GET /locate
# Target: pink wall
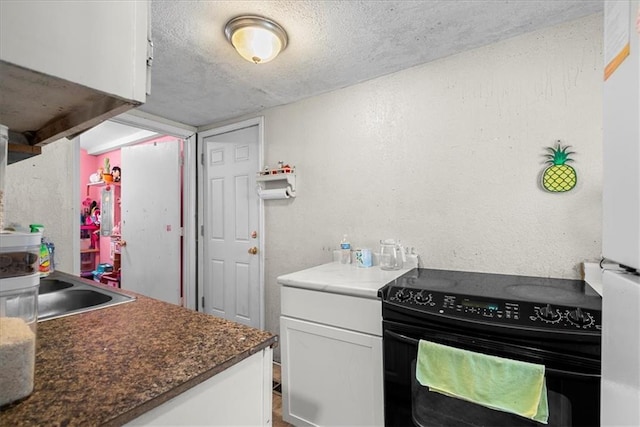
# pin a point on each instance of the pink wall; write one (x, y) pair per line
(89, 165)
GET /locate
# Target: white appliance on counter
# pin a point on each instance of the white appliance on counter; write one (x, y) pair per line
(331, 344)
(621, 216)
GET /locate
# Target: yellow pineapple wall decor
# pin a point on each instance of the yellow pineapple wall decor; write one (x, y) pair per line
(559, 177)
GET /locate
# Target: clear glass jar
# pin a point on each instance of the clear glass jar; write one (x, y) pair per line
(391, 255)
(18, 332)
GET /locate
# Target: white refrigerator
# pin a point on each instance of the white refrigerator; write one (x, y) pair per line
(621, 215)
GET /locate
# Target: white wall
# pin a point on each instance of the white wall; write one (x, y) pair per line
(41, 190)
(447, 157)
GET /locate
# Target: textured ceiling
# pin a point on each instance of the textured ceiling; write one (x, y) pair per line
(198, 79)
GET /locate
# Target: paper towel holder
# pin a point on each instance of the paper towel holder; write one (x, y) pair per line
(278, 181)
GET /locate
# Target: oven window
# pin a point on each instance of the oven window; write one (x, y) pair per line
(431, 409)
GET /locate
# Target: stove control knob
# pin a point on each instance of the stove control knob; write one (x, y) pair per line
(403, 295)
(548, 313)
(423, 298)
(579, 317)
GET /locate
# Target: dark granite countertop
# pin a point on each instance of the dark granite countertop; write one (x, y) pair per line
(108, 366)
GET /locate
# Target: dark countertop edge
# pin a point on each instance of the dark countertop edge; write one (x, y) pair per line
(181, 388)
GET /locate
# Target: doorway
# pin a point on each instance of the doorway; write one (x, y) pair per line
(144, 128)
(231, 223)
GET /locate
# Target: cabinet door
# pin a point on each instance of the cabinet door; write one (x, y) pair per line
(330, 376)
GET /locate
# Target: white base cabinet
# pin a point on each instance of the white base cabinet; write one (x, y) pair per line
(331, 345)
(237, 396)
(330, 376)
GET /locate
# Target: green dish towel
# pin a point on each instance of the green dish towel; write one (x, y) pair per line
(495, 382)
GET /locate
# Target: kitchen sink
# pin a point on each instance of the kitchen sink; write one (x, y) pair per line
(58, 297)
(52, 285)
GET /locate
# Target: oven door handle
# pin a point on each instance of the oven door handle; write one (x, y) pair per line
(402, 338)
(552, 371)
(563, 373)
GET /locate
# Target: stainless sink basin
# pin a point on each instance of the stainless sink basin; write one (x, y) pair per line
(52, 285)
(58, 297)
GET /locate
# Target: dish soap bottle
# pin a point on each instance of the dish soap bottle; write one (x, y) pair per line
(345, 250)
(44, 263)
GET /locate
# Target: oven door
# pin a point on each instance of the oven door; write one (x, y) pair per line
(574, 397)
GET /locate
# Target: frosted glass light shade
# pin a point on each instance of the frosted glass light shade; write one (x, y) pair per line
(256, 39)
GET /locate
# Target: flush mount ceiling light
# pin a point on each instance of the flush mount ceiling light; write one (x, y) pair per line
(256, 39)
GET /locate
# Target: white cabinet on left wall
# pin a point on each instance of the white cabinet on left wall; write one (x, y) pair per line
(67, 66)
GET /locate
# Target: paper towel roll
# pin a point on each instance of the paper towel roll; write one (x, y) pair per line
(276, 193)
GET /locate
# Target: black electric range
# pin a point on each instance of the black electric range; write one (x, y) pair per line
(553, 322)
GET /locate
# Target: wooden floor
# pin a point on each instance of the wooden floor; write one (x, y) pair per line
(277, 399)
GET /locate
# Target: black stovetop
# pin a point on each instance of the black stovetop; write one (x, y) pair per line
(511, 287)
(547, 305)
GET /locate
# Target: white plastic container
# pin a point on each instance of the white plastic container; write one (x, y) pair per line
(18, 332)
(19, 254)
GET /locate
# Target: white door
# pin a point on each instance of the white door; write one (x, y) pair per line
(231, 240)
(150, 215)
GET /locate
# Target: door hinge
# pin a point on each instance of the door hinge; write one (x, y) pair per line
(149, 53)
(202, 230)
(203, 302)
(202, 158)
(149, 64)
(181, 231)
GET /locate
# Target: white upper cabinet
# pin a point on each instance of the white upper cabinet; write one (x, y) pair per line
(67, 66)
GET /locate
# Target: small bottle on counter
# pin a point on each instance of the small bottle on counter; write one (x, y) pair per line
(45, 254)
(345, 250)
